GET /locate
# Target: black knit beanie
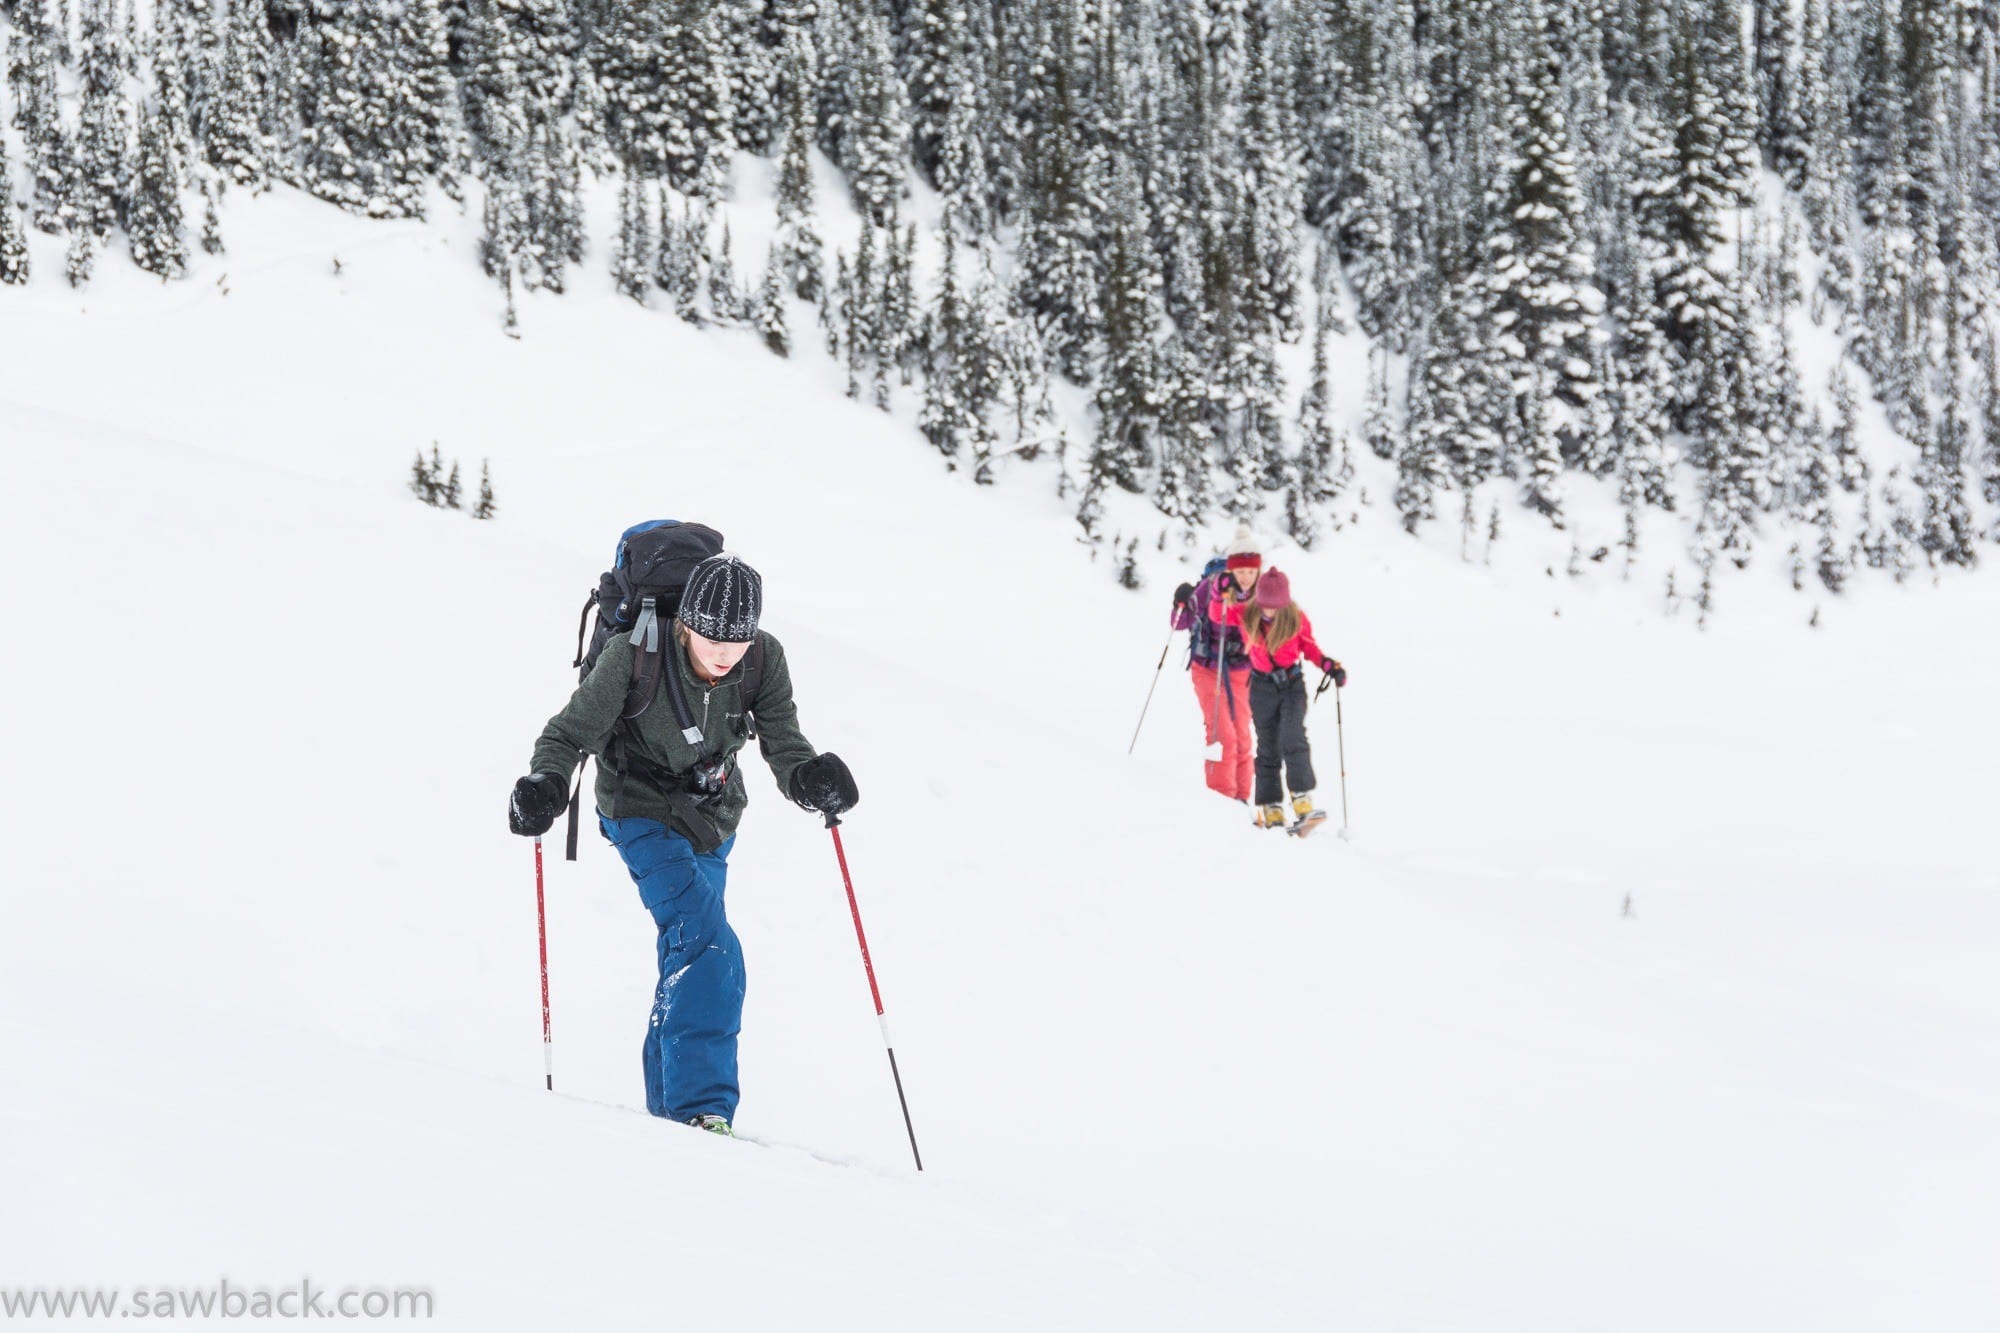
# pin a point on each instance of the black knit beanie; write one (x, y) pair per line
(724, 597)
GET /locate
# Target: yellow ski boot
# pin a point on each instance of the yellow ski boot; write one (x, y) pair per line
(1305, 818)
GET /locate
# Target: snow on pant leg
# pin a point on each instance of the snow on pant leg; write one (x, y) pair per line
(1264, 712)
(1292, 735)
(1218, 772)
(690, 1052)
(1239, 753)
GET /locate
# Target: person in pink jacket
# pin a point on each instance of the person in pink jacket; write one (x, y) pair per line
(1278, 638)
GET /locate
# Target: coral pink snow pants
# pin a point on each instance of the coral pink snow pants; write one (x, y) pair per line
(1226, 716)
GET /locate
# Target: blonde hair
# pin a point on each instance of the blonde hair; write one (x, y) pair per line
(1270, 633)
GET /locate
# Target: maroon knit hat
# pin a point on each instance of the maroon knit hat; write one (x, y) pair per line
(1274, 591)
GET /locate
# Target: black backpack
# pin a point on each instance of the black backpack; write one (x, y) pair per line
(640, 595)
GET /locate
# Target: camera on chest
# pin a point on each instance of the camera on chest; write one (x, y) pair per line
(709, 777)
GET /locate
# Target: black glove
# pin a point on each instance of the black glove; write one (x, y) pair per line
(1336, 670)
(537, 800)
(823, 783)
(1183, 595)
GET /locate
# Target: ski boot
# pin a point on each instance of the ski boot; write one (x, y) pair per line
(1305, 818)
(714, 1124)
(1270, 816)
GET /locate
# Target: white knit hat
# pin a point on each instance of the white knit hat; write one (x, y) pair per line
(1243, 543)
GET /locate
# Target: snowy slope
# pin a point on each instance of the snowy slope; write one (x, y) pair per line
(268, 955)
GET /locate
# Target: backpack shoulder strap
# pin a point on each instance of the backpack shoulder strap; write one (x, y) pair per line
(753, 674)
(575, 810)
(582, 622)
(647, 655)
(677, 698)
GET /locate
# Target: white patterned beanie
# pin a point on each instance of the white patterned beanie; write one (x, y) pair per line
(723, 600)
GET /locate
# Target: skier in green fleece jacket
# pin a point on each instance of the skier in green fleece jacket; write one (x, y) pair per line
(672, 810)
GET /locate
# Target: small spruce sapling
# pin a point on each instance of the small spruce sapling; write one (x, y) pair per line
(485, 509)
(422, 484)
(1128, 568)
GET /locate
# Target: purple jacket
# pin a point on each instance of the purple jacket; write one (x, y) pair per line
(1203, 632)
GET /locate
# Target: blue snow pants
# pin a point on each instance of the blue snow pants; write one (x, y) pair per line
(698, 1007)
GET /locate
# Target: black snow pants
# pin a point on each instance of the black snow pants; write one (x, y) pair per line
(1278, 707)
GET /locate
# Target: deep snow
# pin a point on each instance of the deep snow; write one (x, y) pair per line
(268, 955)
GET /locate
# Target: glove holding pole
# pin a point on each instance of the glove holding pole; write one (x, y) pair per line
(824, 785)
(535, 802)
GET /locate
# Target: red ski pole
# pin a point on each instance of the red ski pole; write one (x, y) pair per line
(542, 927)
(833, 827)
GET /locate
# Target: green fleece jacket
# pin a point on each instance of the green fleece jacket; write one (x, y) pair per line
(658, 753)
